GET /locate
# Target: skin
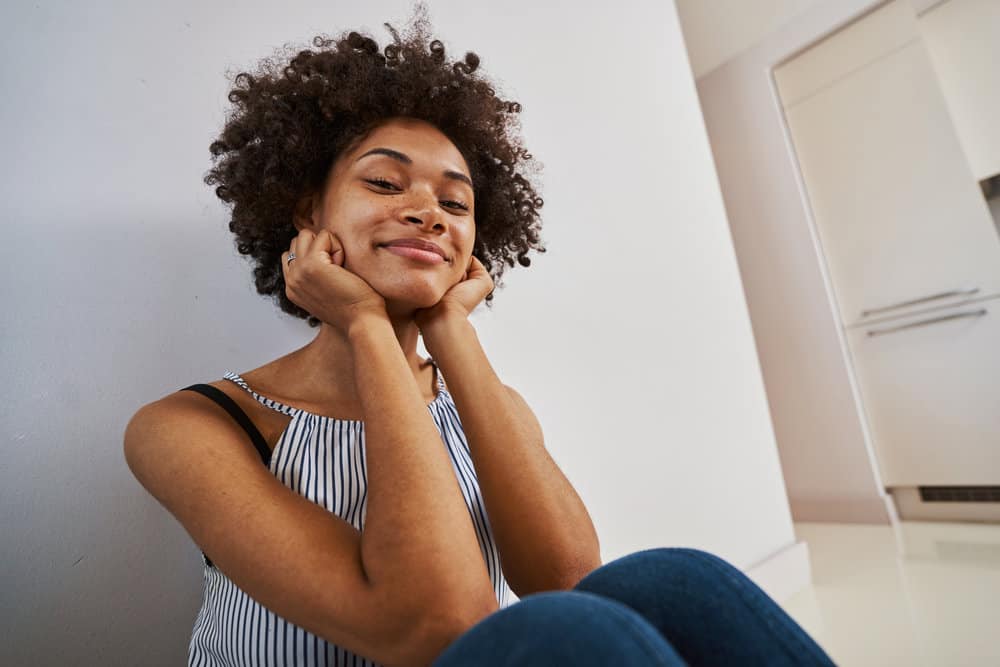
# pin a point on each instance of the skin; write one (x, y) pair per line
(342, 227)
(343, 277)
(368, 300)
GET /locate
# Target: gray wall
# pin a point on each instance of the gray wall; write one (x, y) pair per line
(630, 338)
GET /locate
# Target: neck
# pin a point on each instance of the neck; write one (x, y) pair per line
(325, 367)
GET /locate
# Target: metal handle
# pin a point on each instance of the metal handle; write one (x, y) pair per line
(971, 313)
(942, 295)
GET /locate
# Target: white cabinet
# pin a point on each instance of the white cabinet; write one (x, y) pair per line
(963, 40)
(898, 212)
(931, 389)
(900, 217)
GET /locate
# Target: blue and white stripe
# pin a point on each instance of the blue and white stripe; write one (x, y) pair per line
(322, 459)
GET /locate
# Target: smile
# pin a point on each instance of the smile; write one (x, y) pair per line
(416, 254)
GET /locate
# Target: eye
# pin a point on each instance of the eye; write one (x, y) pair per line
(456, 204)
(389, 185)
(382, 183)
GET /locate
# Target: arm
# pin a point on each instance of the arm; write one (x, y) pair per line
(418, 538)
(195, 460)
(544, 534)
(418, 544)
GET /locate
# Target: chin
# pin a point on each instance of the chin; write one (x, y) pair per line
(407, 288)
(412, 298)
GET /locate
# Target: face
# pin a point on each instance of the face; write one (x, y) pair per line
(404, 180)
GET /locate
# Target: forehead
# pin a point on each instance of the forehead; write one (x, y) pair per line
(420, 141)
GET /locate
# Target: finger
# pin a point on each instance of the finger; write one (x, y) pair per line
(334, 241)
(475, 266)
(333, 246)
(299, 244)
(479, 271)
(324, 242)
(303, 242)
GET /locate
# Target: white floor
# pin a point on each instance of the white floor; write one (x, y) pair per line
(920, 593)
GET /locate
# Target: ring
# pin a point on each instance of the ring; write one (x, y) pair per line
(291, 256)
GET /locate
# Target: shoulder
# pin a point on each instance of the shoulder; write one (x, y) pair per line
(513, 393)
(154, 420)
(526, 418)
(167, 408)
(181, 415)
(181, 403)
(522, 406)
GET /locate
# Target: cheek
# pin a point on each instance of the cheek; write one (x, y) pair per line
(355, 226)
(466, 238)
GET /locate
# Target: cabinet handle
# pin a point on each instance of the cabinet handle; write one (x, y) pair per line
(971, 313)
(942, 295)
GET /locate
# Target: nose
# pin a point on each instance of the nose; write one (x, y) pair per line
(424, 210)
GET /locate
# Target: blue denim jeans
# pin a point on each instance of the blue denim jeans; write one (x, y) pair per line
(667, 606)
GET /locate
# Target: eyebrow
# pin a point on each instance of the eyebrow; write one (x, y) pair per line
(405, 159)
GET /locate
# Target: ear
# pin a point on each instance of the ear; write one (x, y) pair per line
(303, 216)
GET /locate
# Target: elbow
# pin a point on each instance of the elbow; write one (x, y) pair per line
(586, 561)
(436, 629)
(588, 564)
(563, 578)
(574, 576)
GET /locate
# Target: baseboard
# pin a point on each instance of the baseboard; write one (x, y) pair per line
(838, 510)
(784, 573)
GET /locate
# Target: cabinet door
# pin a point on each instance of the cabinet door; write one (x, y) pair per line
(898, 212)
(931, 391)
(963, 40)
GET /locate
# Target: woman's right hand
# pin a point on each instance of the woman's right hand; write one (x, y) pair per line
(317, 282)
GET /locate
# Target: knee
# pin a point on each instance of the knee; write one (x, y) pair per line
(682, 556)
(562, 627)
(662, 564)
(675, 557)
(557, 610)
(580, 614)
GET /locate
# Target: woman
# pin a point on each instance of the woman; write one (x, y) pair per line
(380, 195)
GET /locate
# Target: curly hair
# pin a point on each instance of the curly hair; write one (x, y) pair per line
(290, 122)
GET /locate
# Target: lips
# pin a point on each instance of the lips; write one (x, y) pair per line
(419, 244)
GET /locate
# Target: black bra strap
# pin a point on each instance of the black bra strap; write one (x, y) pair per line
(241, 418)
(237, 413)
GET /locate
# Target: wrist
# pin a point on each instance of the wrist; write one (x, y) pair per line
(442, 328)
(440, 315)
(365, 325)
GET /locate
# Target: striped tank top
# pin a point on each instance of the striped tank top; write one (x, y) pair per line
(322, 459)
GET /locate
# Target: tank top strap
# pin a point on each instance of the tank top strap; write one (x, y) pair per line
(274, 405)
(437, 373)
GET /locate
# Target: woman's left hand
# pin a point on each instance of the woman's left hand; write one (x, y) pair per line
(461, 299)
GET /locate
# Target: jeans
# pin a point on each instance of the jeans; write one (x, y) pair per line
(667, 606)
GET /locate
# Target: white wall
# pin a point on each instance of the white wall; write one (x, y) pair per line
(826, 455)
(630, 338)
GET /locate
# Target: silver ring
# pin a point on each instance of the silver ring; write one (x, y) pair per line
(291, 256)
